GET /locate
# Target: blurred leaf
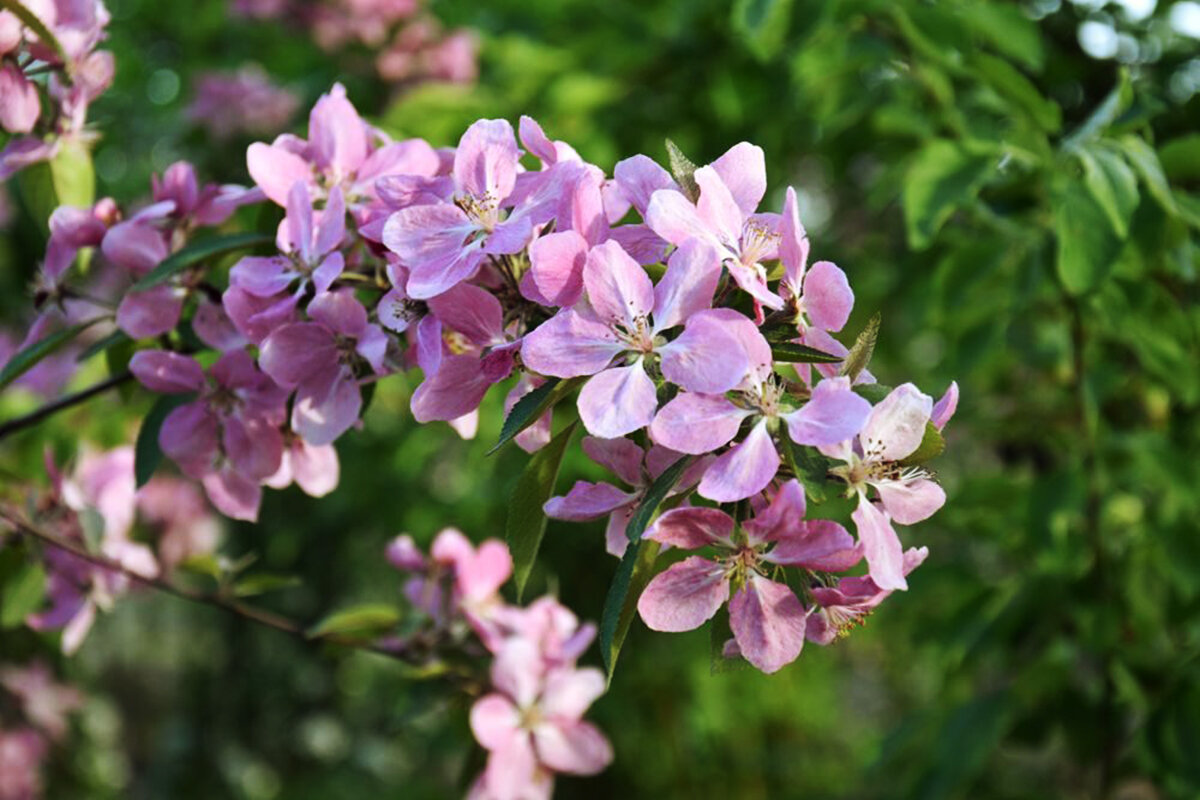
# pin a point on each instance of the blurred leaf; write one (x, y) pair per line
(526, 522)
(683, 170)
(1181, 157)
(101, 345)
(30, 20)
(1007, 29)
(1010, 84)
(147, 455)
(532, 405)
(1087, 246)
(1146, 162)
(801, 354)
(932, 445)
(205, 565)
(964, 743)
(28, 358)
(196, 252)
(1116, 103)
(92, 524)
(864, 347)
(620, 604)
(253, 585)
(763, 25)
(21, 591)
(357, 623)
(943, 177)
(72, 174)
(1112, 184)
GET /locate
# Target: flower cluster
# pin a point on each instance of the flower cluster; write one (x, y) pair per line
(42, 706)
(47, 115)
(531, 722)
(246, 101)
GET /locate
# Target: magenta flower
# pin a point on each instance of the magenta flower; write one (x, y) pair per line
(314, 468)
(623, 316)
(310, 247)
(20, 106)
(891, 432)
(636, 467)
(444, 244)
(698, 423)
(840, 608)
(767, 619)
(532, 725)
(724, 216)
(319, 360)
(228, 437)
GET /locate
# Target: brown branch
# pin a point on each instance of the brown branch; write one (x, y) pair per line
(34, 417)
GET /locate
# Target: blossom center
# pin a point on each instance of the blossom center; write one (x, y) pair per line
(482, 209)
(757, 241)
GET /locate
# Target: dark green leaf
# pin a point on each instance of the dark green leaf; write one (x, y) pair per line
(1087, 246)
(35, 24)
(931, 446)
(801, 354)
(1009, 83)
(28, 358)
(21, 593)
(812, 470)
(1113, 106)
(147, 453)
(526, 521)
(652, 499)
(1112, 185)
(199, 251)
(101, 345)
(874, 392)
(531, 407)
(1146, 162)
(864, 347)
(357, 623)
(620, 604)
(1181, 157)
(942, 178)
(683, 170)
(763, 25)
(72, 174)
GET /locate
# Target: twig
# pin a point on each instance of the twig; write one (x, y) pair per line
(34, 417)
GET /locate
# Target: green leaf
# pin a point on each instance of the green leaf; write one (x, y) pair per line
(931, 446)
(1008, 82)
(262, 583)
(719, 633)
(801, 354)
(864, 347)
(99, 346)
(526, 521)
(763, 25)
(1181, 157)
(943, 177)
(1087, 246)
(1148, 167)
(35, 24)
(620, 604)
(1113, 106)
(199, 251)
(683, 170)
(357, 623)
(21, 593)
(653, 498)
(28, 358)
(811, 469)
(1112, 184)
(92, 524)
(874, 392)
(72, 174)
(147, 455)
(531, 407)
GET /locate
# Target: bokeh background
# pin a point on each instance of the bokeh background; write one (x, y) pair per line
(1049, 646)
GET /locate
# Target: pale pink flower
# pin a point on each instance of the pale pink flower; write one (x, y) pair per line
(840, 608)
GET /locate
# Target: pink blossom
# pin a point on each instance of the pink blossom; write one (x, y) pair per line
(891, 432)
(314, 468)
(840, 608)
(245, 101)
(20, 106)
(767, 619)
(319, 359)
(21, 753)
(623, 317)
(44, 702)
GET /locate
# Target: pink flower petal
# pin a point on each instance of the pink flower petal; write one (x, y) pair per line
(828, 298)
(684, 596)
(622, 456)
(743, 169)
(569, 345)
(881, 545)
(909, 502)
(618, 401)
(692, 528)
(586, 501)
(819, 544)
(569, 692)
(944, 409)
(688, 284)
(618, 289)
(576, 748)
(834, 414)
(169, 373)
(768, 622)
(556, 267)
(743, 471)
(486, 159)
(495, 721)
(696, 423)
(705, 358)
(896, 425)
(275, 170)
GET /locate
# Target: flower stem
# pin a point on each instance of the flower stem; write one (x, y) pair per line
(34, 417)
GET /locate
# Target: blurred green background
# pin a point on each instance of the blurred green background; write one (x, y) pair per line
(1015, 186)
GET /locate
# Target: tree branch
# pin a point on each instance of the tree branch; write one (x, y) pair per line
(34, 417)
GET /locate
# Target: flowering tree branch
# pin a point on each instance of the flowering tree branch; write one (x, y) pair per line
(11, 426)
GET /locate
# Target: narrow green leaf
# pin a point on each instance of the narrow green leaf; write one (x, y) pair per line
(35, 24)
(811, 469)
(99, 346)
(28, 358)
(942, 178)
(652, 499)
(931, 446)
(620, 604)
(72, 174)
(357, 623)
(197, 252)
(1146, 162)
(147, 455)
(683, 170)
(262, 583)
(526, 523)
(1087, 246)
(1113, 106)
(864, 347)
(531, 407)
(874, 392)
(21, 593)
(1112, 185)
(779, 332)
(763, 25)
(719, 633)
(801, 354)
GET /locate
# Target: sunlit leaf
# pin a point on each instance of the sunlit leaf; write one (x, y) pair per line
(941, 179)
(864, 347)
(526, 522)
(357, 623)
(683, 170)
